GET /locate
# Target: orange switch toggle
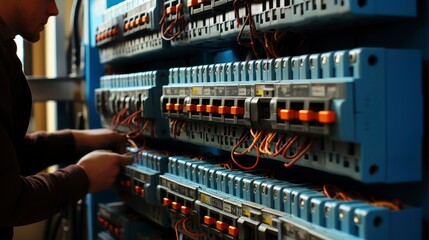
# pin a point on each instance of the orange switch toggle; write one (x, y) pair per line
(176, 205)
(167, 201)
(237, 110)
(233, 231)
(137, 189)
(327, 116)
(169, 106)
(137, 21)
(201, 108)
(211, 109)
(307, 115)
(178, 106)
(171, 9)
(209, 220)
(190, 107)
(288, 114)
(115, 31)
(116, 231)
(142, 192)
(221, 225)
(185, 210)
(192, 3)
(128, 183)
(224, 110)
(145, 19)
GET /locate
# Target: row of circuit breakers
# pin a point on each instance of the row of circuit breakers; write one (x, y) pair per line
(339, 112)
(143, 27)
(202, 200)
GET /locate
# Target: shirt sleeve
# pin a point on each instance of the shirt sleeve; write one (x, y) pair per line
(28, 199)
(42, 149)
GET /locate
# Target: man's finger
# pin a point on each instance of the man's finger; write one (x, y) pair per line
(125, 160)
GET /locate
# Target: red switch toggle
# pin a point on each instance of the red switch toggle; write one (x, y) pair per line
(185, 210)
(190, 107)
(176, 205)
(167, 201)
(201, 108)
(169, 106)
(233, 231)
(224, 110)
(237, 110)
(211, 109)
(221, 225)
(209, 220)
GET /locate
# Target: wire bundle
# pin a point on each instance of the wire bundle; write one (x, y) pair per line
(175, 27)
(265, 140)
(253, 32)
(136, 124)
(177, 131)
(332, 191)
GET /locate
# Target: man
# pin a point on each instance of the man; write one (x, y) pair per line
(27, 199)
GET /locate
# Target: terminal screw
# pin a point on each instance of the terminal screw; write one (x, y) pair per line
(337, 59)
(327, 210)
(341, 214)
(356, 219)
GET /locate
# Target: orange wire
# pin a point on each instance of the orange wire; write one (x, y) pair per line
(303, 149)
(117, 118)
(256, 136)
(174, 127)
(264, 147)
(138, 132)
(233, 153)
(332, 191)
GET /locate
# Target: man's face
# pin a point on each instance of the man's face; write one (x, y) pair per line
(30, 16)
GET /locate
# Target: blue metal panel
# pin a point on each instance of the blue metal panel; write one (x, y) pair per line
(400, 34)
(93, 68)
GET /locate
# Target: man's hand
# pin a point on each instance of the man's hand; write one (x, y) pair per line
(102, 167)
(95, 139)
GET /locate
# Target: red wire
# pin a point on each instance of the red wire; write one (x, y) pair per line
(189, 232)
(176, 228)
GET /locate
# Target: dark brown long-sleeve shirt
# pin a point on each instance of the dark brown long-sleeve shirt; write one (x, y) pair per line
(26, 199)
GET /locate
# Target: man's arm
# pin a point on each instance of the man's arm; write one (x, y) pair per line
(29, 199)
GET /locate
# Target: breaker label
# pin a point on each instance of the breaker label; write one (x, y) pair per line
(231, 91)
(318, 91)
(245, 91)
(205, 198)
(207, 91)
(197, 91)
